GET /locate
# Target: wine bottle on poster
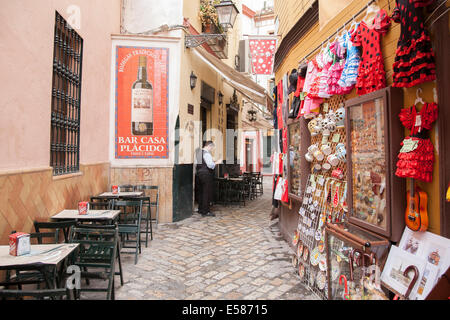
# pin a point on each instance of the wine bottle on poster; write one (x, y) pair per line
(142, 102)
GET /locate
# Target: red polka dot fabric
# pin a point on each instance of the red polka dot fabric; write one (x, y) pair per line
(262, 53)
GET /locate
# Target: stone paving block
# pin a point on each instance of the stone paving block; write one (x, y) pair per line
(253, 296)
(259, 281)
(227, 288)
(266, 288)
(221, 275)
(233, 296)
(246, 288)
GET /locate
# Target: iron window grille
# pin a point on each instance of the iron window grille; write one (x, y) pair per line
(66, 94)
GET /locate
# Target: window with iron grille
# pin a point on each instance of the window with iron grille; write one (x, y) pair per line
(66, 93)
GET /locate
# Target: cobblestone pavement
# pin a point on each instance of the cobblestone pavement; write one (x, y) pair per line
(239, 254)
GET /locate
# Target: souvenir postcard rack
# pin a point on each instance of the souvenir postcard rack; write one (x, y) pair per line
(322, 202)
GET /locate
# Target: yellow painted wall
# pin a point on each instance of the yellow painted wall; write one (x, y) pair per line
(289, 11)
(389, 44)
(217, 116)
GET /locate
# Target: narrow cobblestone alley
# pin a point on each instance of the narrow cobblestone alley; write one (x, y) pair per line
(236, 255)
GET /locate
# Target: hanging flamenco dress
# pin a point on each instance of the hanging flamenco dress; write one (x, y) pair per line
(336, 70)
(416, 157)
(414, 61)
(311, 104)
(371, 74)
(349, 75)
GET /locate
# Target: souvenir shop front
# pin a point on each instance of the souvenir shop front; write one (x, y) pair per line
(361, 181)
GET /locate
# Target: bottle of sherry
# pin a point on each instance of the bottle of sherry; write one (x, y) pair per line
(142, 102)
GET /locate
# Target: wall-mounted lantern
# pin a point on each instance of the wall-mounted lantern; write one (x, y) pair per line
(193, 80)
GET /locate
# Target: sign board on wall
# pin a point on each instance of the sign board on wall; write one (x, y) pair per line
(141, 103)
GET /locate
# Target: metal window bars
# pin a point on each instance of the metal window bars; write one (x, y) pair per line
(66, 94)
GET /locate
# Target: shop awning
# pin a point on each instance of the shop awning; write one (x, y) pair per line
(243, 84)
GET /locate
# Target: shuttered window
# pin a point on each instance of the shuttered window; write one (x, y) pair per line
(66, 93)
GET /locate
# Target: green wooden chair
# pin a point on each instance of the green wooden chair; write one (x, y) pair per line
(126, 188)
(56, 226)
(258, 183)
(152, 193)
(48, 294)
(130, 224)
(96, 255)
(100, 205)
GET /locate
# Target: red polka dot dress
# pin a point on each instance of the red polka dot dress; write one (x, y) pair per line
(371, 73)
(416, 157)
(414, 61)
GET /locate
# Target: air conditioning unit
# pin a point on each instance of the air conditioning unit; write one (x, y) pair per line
(244, 57)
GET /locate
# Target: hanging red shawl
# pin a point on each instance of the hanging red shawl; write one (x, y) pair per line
(285, 195)
(285, 142)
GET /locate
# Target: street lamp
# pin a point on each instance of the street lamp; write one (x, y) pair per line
(193, 80)
(226, 13)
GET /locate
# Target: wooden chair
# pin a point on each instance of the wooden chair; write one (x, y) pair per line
(47, 294)
(100, 205)
(28, 274)
(127, 188)
(130, 224)
(258, 183)
(153, 192)
(96, 255)
(65, 226)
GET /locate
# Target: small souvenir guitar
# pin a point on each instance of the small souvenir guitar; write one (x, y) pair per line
(416, 215)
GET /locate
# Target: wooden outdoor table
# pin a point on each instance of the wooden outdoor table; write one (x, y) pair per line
(45, 258)
(92, 215)
(121, 194)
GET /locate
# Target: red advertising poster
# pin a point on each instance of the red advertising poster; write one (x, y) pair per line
(262, 53)
(142, 117)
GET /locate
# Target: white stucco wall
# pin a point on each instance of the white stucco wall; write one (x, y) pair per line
(143, 15)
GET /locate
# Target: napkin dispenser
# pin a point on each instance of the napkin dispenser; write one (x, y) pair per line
(19, 244)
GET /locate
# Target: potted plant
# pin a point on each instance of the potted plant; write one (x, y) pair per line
(208, 14)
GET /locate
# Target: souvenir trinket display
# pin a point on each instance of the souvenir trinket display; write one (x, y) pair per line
(350, 211)
(294, 261)
(296, 160)
(327, 131)
(346, 260)
(370, 139)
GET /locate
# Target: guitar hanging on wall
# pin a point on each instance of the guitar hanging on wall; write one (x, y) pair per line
(416, 215)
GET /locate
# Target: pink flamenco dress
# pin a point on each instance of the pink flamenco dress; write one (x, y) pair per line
(336, 69)
(311, 104)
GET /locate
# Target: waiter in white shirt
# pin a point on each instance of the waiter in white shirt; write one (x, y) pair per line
(205, 178)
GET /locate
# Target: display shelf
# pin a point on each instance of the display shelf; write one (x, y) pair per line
(298, 169)
(376, 195)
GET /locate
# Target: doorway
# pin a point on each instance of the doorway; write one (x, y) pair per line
(204, 107)
(249, 155)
